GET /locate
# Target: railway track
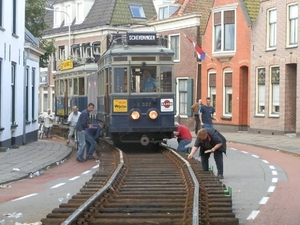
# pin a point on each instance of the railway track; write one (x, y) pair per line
(156, 186)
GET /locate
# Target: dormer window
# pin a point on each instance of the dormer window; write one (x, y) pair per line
(57, 17)
(79, 12)
(166, 11)
(137, 11)
(68, 15)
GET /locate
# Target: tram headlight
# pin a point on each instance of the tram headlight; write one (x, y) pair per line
(135, 115)
(153, 114)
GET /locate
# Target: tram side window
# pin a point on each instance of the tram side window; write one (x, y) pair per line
(144, 79)
(81, 86)
(120, 80)
(70, 87)
(166, 79)
(62, 87)
(75, 86)
(57, 88)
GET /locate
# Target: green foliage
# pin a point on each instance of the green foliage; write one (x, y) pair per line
(35, 22)
(48, 46)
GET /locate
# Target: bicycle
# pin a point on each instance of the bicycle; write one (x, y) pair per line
(41, 132)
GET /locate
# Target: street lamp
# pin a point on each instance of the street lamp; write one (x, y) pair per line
(69, 26)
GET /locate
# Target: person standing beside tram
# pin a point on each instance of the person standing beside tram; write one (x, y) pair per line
(196, 111)
(72, 120)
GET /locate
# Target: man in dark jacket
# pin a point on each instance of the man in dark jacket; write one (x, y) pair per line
(81, 126)
(210, 140)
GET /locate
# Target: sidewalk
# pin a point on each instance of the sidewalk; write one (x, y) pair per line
(19, 163)
(34, 157)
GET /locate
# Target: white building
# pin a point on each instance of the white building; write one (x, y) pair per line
(19, 73)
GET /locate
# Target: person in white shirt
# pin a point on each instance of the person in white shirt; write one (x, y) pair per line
(48, 123)
(72, 120)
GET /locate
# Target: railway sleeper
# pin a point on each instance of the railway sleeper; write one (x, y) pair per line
(220, 198)
(149, 191)
(166, 196)
(134, 210)
(219, 209)
(151, 200)
(146, 221)
(52, 221)
(216, 215)
(223, 221)
(64, 210)
(58, 215)
(142, 204)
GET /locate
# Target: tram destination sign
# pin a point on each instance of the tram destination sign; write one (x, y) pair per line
(142, 38)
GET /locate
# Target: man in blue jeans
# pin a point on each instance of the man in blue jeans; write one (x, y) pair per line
(92, 137)
(81, 125)
(207, 113)
(184, 137)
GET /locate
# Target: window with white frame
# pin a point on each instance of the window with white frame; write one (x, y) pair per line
(52, 99)
(224, 30)
(272, 28)
(212, 88)
(228, 93)
(33, 75)
(14, 17)
(96, 47)
(56, 17)
(45, 100)
(165, 12)
(261, 89)
(13, 94)
(274, 90)
(182, 96)
(27, 94)
(86, 50)
(79, 12)
(61, 52)
(44, 77)
(137, 11)
(292, 24)
(175, 46)
(68, 15)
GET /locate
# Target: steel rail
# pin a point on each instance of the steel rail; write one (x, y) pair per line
(88, 202)
(196, 189)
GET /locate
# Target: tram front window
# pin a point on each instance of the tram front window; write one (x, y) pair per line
(144, 80)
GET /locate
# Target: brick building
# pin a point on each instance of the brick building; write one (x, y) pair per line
(226, 70)
(274, 73)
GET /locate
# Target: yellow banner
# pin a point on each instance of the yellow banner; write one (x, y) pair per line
(66, 65)
(120, 105)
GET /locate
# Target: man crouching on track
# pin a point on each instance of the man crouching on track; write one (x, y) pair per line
(210, 140)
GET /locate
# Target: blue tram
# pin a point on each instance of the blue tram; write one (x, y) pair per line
(135, 88)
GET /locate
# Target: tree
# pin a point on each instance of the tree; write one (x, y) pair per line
(35, 22)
